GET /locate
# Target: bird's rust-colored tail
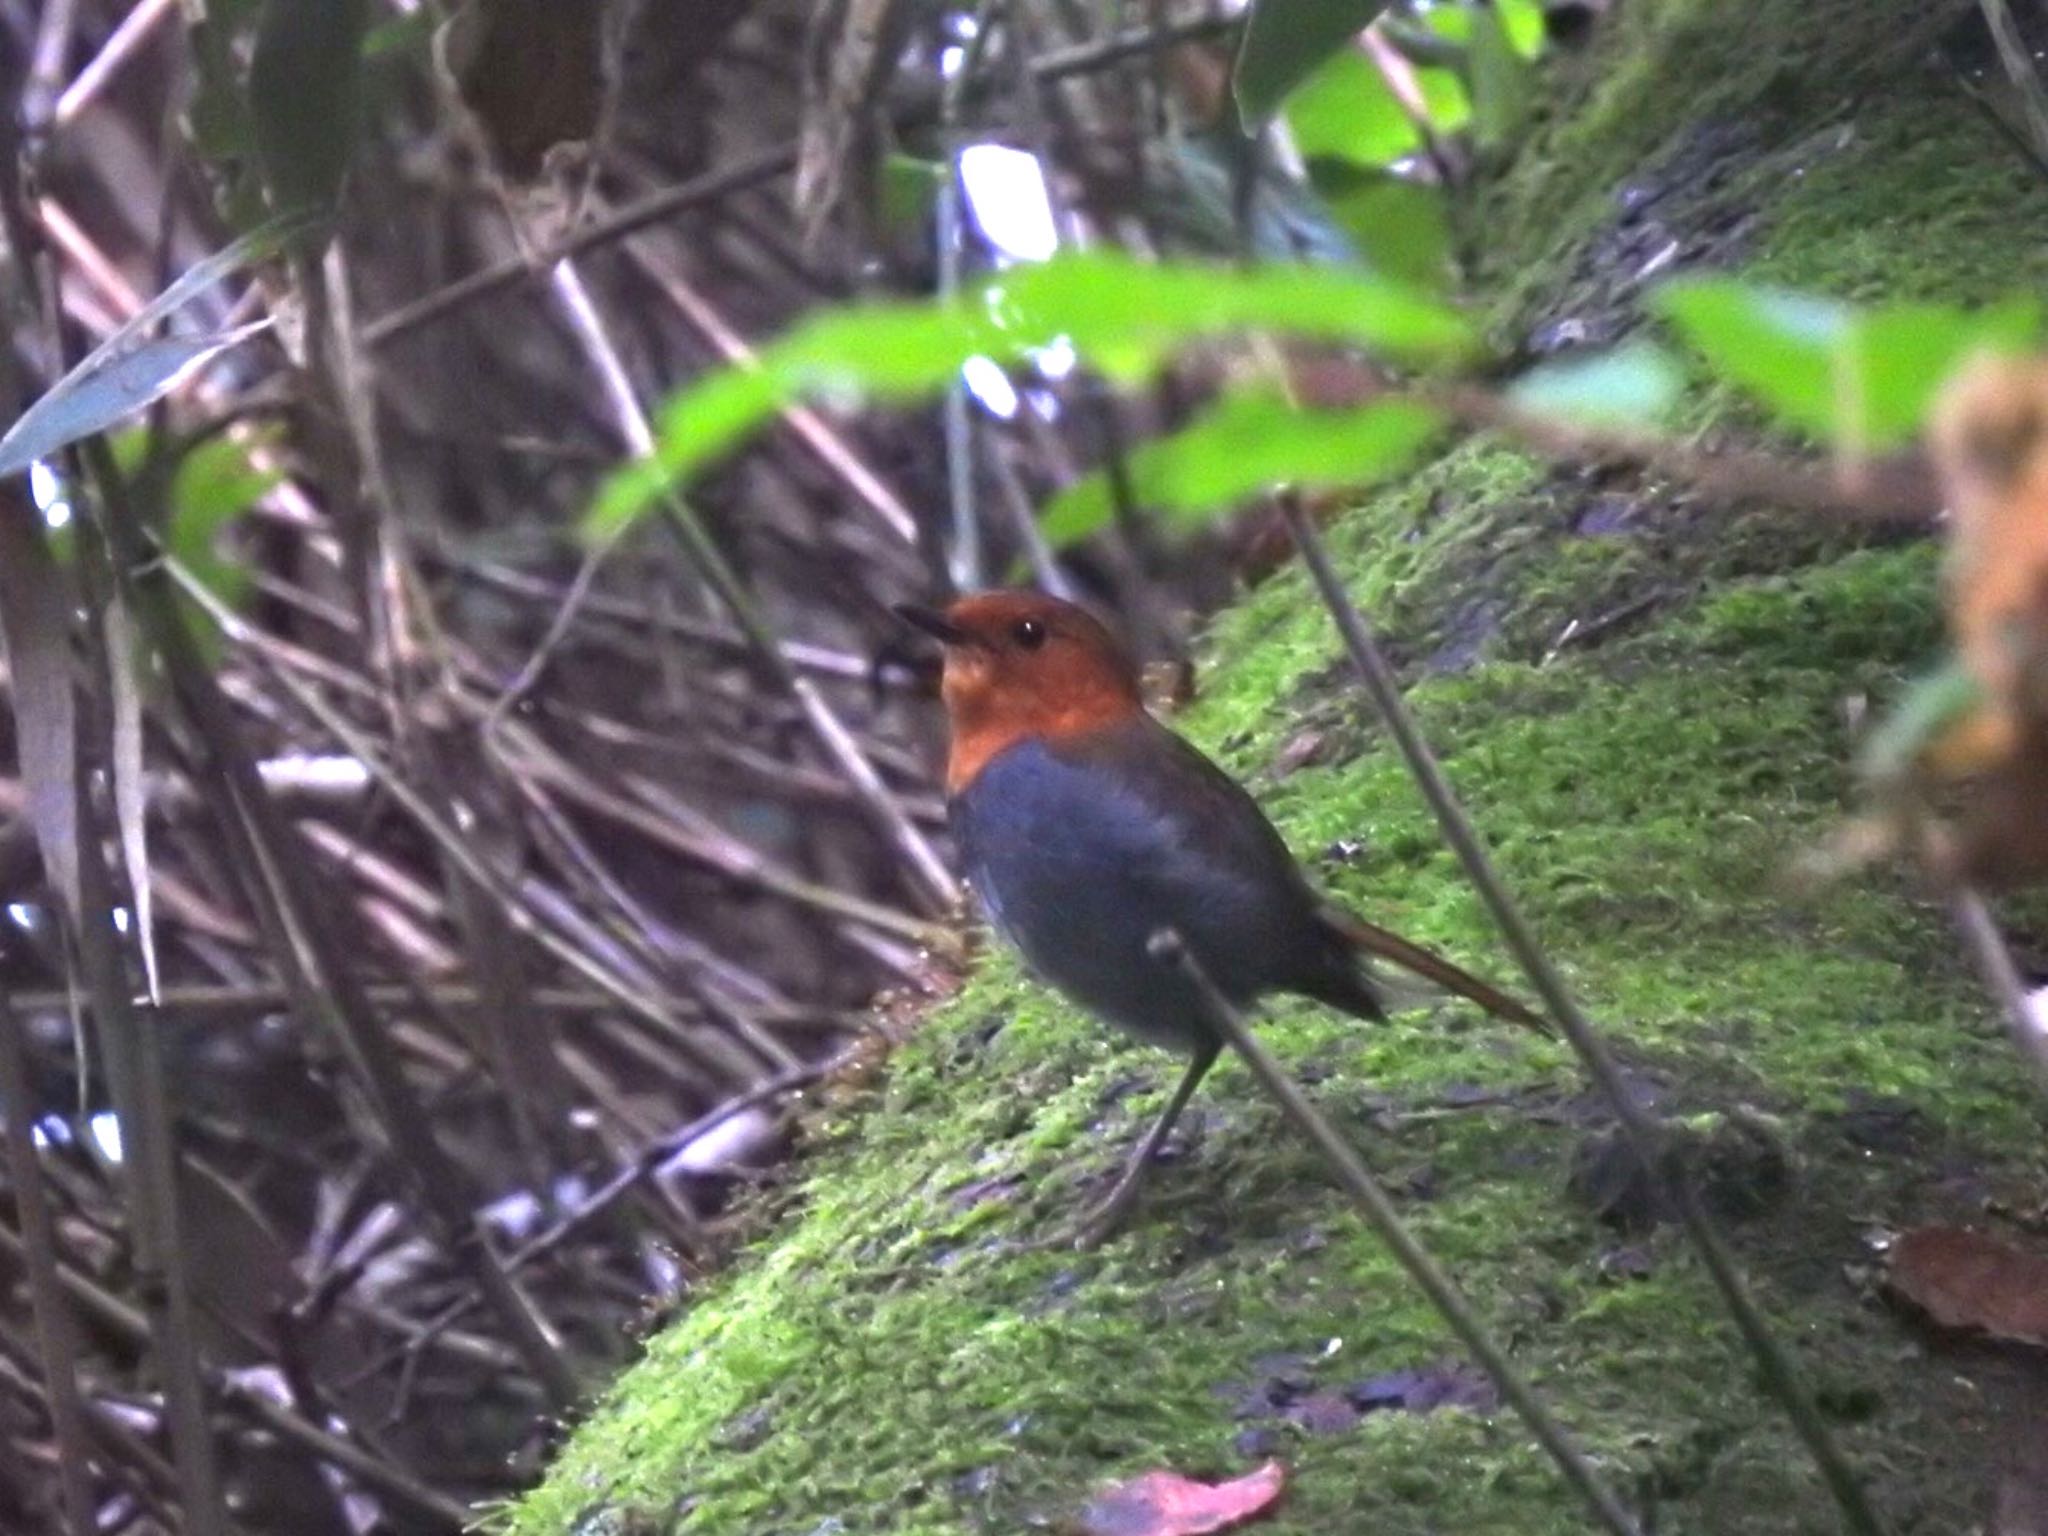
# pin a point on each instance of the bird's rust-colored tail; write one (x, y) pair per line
(1384, 944)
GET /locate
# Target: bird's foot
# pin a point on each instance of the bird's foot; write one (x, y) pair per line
(1096, 1226)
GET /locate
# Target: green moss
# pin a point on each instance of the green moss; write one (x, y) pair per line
(1647, 721)
(1816, 143)
(895, 1360)
(1624, 111)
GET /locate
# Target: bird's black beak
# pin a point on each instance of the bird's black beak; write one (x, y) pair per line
(933, 624)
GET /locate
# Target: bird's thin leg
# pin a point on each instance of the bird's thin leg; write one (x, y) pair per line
(1103, 1220)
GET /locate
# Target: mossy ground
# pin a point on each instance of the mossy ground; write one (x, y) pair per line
(890, 1359)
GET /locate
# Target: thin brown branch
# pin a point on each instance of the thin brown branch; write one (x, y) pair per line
(121, 45)
(46, 68)
(1890, 491)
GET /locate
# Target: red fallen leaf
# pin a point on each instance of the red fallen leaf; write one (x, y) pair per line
(1167, 1504)
(1963, 1279)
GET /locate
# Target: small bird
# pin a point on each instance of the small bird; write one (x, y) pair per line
(1086, 827)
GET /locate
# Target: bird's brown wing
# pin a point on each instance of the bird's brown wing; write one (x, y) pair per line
(1385, 944)
(1221, 816)
(1208, 810)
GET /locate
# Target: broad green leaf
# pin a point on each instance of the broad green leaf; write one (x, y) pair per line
(1452, 23)
(1522, 20)
(305, 84)
(1501, 82)
(92, 398)
(1399, 227)
(1249, 442)
(1779, 345)
(1121, 315)
(1103, 298)
(1906, 353)
(1635, 384)
(1346, 111)
(1283, 43)
(1859, 380)
(1445, 100)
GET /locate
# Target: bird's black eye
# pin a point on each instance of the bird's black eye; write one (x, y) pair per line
(1029, 633)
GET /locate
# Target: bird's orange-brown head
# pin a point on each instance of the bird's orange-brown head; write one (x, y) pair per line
(1021, 665)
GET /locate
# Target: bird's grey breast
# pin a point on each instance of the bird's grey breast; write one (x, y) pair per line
(1078, 867)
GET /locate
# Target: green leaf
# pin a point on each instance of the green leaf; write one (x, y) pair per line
(1907, 352)
(1501, 82)
(1249, 442)
(1522, 20)
(1122, 315)
(1399, 227)
(1346, 111)
(305, 81)
(1452, 23)
(1858, 380)
(1635, 384)
(1445, 101)
(1283, 43)
(103, 390)
(215, 484)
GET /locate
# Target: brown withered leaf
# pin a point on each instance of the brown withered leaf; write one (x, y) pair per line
(1990, 439)
(1167, 1504)
(1965, 1279)
(531, 74)
(1968, 745)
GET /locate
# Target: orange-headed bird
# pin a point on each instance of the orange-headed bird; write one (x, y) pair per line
(1086, 827)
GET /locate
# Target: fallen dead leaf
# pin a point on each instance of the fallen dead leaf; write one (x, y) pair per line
(1964, 1279)
(1167, 1504)
(1304, 749)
